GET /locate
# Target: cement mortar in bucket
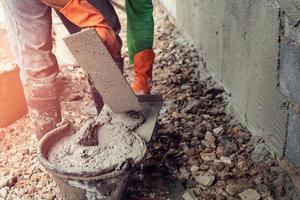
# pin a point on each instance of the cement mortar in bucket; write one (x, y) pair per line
(107, 183)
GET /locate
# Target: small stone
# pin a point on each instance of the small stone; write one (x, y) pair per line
(48, 196)
(31, 190)
(197, 191)
(276, 170)
(191, 183)
(244, 136)
(206, 195)
(269, 198)
(250, 194)
(175, 115)
(209, 137)
(89, 109)
(218, 130)
(4, 192)
(44, 181)
(186, 136)
(236, 129)
(192, 106)
(206, 179)
(253, 172)
(189, 195)
(205, 143)
(216, 111)
(219, 166)
(280, 191)
(230, 148)
(25, 151)
(258, 180)
(3, 182)
(191, 152)
(214, 91)
(243, 164)
(207, 150)
(195, 141)
(206, 116)
(208, 156)
(193, 161)
(75, 97)
(8, 181)
(226, 160)
(220, 150)
(240, 141)
(220, 186)
(134, 197)
(194, 169)
(232, 189)
(183, 173)
(225, 175)
(220, 197)
(210, 140)
(204, 167)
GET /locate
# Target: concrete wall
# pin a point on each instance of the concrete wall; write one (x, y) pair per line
(290, 74)
(170, 6)
(247, 46)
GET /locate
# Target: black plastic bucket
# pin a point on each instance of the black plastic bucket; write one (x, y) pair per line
(105, 184)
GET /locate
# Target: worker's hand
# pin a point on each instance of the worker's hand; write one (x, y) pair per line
(85, 15)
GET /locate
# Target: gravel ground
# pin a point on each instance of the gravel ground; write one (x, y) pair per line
(197, 151)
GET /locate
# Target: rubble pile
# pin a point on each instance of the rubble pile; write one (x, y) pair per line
(198, 151)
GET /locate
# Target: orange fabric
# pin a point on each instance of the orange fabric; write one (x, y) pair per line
(85, 15)
(143, 65)
(12, 100)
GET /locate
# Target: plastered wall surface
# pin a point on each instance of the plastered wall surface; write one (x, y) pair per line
(239, 41)
(170, 5)
(289, 72)
(291, 9)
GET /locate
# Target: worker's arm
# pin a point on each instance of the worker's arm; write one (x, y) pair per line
(83, 14)
(140, 26)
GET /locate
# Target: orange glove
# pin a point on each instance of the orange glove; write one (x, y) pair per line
(143, 65)
(84, 14)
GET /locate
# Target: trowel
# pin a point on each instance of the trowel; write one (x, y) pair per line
(107, 79)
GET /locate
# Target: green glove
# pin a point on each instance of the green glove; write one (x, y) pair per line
(140, 26)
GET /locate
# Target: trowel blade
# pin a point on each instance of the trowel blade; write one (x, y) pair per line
(151, 105)
(93, 56)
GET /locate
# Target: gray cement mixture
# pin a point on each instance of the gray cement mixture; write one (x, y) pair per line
(116, 143)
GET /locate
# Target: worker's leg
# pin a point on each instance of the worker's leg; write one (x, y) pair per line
(108, 11)
(84, 14)
(140, 28)
(29, 30)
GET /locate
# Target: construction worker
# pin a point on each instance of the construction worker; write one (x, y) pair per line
(29, 27)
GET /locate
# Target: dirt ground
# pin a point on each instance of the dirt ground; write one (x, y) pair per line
(197, 152)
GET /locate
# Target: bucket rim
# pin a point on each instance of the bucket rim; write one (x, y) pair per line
(65, 129)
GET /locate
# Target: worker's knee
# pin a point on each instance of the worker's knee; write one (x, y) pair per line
(31, 40)
(40, 75)
(56, 4)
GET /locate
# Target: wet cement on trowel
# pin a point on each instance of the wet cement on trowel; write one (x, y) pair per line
(117, 143)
